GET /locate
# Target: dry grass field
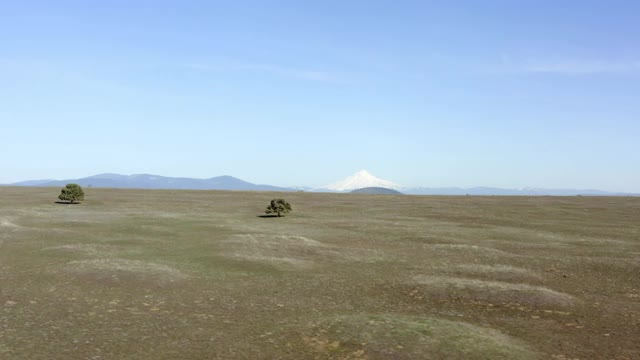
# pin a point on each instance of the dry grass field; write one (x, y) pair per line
(162, 274)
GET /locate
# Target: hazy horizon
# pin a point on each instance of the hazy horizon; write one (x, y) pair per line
(328, 187)
(500, 94)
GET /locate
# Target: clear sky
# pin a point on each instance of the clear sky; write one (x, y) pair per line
(424, 93)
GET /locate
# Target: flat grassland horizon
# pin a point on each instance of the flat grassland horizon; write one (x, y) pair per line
(178, 274)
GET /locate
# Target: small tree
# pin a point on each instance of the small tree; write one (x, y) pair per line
(71, 193)
(278, 206)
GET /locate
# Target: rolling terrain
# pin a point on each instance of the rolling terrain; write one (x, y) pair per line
(168, 274)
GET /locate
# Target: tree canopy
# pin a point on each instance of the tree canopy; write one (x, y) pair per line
(278, 206)
(71, 193)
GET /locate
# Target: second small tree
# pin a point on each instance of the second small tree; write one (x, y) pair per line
(278, 206)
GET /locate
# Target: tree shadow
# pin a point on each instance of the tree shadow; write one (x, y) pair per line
(268, 216)
(67, 203)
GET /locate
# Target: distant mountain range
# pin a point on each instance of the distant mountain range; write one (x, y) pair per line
(147, 181)
(361, 182)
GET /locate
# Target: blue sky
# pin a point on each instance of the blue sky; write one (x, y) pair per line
(493, 93)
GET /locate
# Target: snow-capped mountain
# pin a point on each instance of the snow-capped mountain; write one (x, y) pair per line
(359, 180)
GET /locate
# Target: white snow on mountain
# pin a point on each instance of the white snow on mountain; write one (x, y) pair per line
(361, 179)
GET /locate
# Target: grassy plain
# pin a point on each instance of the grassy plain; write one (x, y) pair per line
(162, 274)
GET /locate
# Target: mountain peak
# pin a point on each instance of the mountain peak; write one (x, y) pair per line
(361, 179)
